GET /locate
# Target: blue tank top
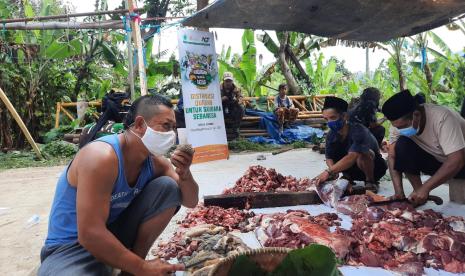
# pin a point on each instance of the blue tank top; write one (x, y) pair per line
(62, 227)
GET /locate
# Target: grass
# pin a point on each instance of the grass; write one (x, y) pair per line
(16, 159)
(241, 145)
(245, 145)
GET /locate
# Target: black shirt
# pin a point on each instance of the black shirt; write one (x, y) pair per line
(359, 139)
(364, 113)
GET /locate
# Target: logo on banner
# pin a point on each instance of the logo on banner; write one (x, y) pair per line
(200, 70)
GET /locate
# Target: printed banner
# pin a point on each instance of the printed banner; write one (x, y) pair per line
(201, 95)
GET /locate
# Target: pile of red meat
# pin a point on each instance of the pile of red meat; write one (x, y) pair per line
(296, 229)
(259, 179)
(230, 219)
(398, 237)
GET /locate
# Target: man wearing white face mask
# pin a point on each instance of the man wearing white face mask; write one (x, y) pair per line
(118, 195)
(432, 141)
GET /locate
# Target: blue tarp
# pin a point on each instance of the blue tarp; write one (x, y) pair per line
(295, 133)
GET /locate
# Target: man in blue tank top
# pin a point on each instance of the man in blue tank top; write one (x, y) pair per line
(118, 195)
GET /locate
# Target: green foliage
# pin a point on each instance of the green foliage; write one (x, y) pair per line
(56, 133)
(27, 159)
(314, 259)
(245, 145)
(60, 149)
(299, 144)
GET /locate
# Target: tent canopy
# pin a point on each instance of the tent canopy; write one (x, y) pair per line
(360, 20)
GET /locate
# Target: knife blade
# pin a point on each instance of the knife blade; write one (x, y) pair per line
(437, 200)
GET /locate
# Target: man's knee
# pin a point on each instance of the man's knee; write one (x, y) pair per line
(163, 184)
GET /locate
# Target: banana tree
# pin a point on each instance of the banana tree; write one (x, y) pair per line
(245, 68)
(324, 75)
(292, 48)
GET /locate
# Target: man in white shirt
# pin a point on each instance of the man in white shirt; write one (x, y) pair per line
(431, 141)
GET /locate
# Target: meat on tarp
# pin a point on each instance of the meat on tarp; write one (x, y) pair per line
(259, 179)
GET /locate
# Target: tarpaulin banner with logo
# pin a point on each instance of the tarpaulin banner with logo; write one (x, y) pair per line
(201, 94)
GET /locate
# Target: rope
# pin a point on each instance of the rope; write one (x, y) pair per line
(423, 57)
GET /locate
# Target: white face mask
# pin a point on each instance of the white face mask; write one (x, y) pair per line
(156, 142)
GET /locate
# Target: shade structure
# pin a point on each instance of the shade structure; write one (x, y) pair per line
(359, 20)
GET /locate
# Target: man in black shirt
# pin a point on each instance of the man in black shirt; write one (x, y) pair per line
(364, 112)
(350, 148)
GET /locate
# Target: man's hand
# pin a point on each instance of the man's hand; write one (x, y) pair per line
(324, 176)
(397, 196)
(157, 267)
(182, 161)
(419, 196)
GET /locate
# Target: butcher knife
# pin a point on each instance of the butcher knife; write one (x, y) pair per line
(433, 198)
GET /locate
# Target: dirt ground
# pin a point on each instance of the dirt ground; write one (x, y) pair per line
(25, 193)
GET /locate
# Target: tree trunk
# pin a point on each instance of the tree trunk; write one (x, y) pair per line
(200, 5)
(400, 72)
(299, 67)
(286, 70)
(6, 142)
(429, 77)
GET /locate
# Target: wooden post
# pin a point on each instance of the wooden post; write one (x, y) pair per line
(130, 60)
(200, 5)
(57, 116)
(140, 53)
(20, 122)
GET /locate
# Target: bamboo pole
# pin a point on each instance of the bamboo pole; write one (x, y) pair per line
(42, 18)
(20, 122)
(57, 116)
(140, 53)
(130, 60)
(107, 25)
(67, 113)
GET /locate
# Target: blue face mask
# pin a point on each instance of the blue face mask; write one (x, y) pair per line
(336, 125)
(408, 131)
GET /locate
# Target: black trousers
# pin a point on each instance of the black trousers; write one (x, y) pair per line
(378, 131)
(412, 159)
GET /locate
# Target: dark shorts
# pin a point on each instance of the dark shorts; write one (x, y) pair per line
(412, 159)
(73, 259)
(355, 174)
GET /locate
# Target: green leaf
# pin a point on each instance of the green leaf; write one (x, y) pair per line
(148, 49)
(243, 266)
(62, 50)
(439, 74)
(269, 43)
(312, 260)
(28, 10)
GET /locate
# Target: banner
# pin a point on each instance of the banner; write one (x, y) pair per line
(201, 95)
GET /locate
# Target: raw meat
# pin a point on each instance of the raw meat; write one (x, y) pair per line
(259, 179)
(331, 191)
(231, 218)
(400, 238)
(296, 229)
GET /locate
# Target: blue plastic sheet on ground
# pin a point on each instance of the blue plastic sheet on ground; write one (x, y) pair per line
(295, 133)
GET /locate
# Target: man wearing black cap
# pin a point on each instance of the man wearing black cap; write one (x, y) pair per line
(350, 148)
(432, 141)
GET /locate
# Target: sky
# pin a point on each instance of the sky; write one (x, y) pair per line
(354, 57)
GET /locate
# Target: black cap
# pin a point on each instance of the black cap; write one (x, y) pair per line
(399, 105)
(337, 103)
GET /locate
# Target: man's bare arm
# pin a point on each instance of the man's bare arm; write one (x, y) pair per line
(186, 182)
(396, 176)
(95, 180)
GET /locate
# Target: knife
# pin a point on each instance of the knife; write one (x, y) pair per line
(433, 198)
